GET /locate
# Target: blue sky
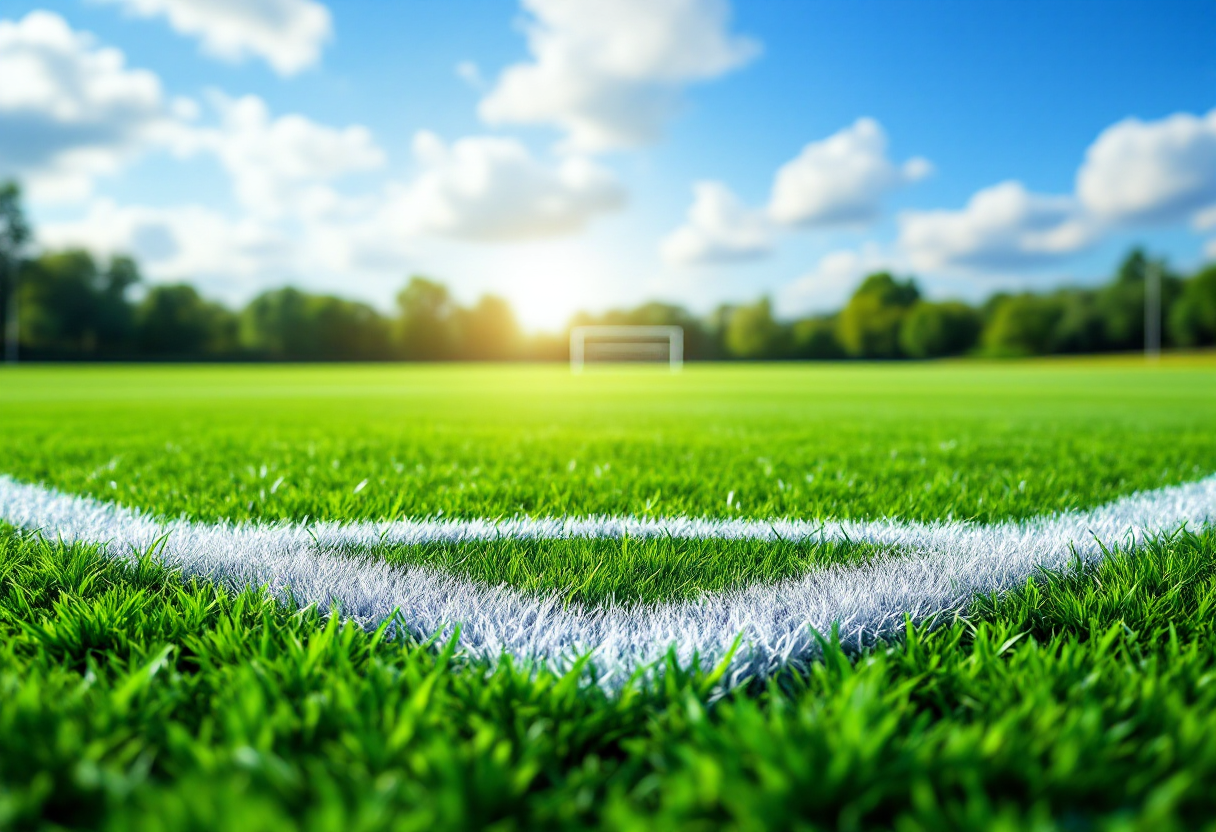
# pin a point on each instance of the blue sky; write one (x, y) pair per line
(549, 150)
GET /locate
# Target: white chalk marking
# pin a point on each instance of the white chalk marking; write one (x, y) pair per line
(944, 566)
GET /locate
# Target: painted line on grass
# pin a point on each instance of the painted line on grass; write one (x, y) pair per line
(944, 566)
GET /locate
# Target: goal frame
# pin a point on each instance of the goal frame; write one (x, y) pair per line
(673, 334)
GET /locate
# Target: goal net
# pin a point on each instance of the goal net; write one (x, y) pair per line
(626, 344)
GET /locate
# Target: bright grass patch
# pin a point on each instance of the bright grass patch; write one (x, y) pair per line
(927, 442)
(135, 697)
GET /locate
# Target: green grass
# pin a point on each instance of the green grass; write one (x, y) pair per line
(131, 700)
(624, 571)
(920, 442)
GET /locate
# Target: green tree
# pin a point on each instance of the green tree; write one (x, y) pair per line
(426, 326)
(488, 331)
(114, 314)
(815, 339)
(869, 325)
(287, 324)
(345, 330)
(58, 303)
(1081, 327)
(14, 234)
(1022, 325)
(933, 330)
(753, 333)
(71, 308)
(275, 324)
(175, 322)
(1192, 318)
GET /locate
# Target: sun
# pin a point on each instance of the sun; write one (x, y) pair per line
(547, 283)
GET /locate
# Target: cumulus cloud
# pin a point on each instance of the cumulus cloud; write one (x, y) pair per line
(71, 110)
(609, 72)
(840, 180)
(492, 189)
(277, 163)
(719, 229)
(1135, 173)
(1151, 172)
(287, 34)
(1001, 227)
(189, 241)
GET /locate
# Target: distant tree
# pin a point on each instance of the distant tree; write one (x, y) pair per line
(14, 234)
(275, 325)
(488, 331)
(1022, 325)
(753, 333)
(1192, 318)
(426, 328)
(287, 324)
(348, 331)
(71, 308)
(173, 321)
(815, 339)
(58, 303)
(869, 325)
(114, 315)
(1081, 327)
(933, 330)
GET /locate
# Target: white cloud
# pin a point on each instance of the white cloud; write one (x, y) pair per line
(719, 229)
(181, 242)
(1002, 227)
(1149, 172)
(287, 34)
(841, 179)
(237, 256)
(71, 110)
(493, 189)
(276, 164)
(609, 72)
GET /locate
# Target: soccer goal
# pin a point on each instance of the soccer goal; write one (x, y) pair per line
(626, 344)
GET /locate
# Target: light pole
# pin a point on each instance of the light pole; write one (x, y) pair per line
(1152, 311)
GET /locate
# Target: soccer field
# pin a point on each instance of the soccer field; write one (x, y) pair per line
(944, 595)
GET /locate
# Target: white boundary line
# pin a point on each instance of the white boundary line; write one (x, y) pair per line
(945, 566)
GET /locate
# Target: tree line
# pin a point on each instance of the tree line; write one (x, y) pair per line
(70, 305)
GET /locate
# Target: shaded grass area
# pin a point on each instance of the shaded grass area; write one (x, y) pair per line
(922, 442)
(624, 571)
(131, 700)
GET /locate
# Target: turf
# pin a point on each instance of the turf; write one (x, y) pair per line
(623, 571)
(130, 699)
(920, 442)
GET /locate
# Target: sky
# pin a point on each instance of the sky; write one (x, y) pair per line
(588, 154)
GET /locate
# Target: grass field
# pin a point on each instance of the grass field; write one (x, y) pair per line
(130, 699)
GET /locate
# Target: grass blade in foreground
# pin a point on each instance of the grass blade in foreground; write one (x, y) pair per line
(131, 700)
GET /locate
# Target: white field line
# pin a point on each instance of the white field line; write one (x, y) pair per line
(945, 565)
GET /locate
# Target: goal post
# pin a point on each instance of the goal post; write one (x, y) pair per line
(626, 344)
